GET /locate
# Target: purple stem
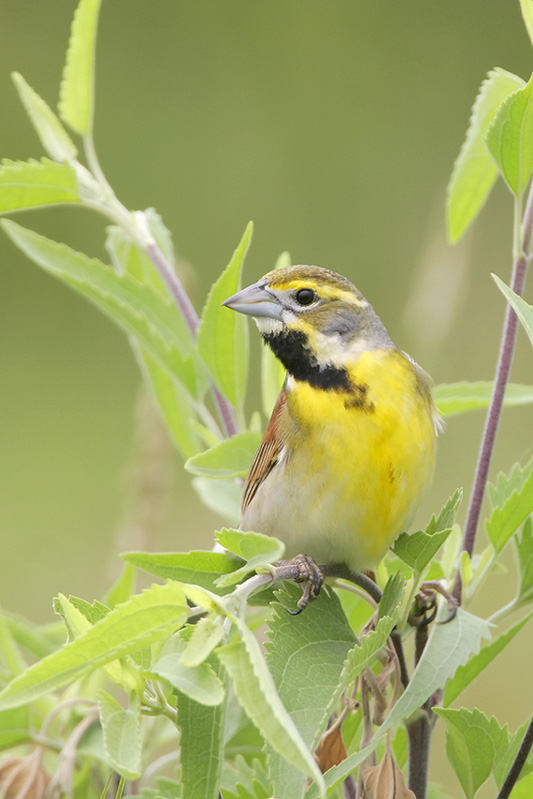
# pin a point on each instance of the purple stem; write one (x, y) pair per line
(181, 298)
(505, 359)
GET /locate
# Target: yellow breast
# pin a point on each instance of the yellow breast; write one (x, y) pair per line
(356, 465)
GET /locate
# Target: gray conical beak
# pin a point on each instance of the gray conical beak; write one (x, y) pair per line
(255, 300)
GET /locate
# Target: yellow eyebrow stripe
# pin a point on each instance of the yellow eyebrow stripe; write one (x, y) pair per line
(323, 290)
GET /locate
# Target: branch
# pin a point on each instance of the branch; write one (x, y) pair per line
(503, 368)
(518, 764)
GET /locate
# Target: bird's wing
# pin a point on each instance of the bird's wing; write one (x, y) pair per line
(267, 454)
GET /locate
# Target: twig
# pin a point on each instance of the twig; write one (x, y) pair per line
(518, 763)
(503, 368)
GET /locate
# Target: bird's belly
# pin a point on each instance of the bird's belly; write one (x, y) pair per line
(353, 488)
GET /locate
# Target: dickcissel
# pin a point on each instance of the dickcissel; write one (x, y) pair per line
(350, 448)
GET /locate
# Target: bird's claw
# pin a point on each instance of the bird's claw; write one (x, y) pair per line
(309, 574)
(426, 600)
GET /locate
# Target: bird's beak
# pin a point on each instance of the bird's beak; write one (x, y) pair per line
(255, 300)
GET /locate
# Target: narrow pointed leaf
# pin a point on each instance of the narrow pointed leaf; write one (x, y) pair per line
(475, 172)
(30, 184)
(140, 621)
(76, 92)
(524, 551)
(230, 458)
(136, 308)
(452, 398)
(255, 689)
(207, 634)
(199, 682)
(510, 138)
(51, 132)
(223, 334)
(196, 567)
(522, 309)
(122, 735)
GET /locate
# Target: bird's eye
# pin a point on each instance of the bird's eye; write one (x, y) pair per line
(305, 296)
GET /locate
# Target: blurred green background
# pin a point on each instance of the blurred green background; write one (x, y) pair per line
(334, 126)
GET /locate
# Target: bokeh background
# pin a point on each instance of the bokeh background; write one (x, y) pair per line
(334, 126)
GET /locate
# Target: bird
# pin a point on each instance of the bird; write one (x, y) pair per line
(349, 451)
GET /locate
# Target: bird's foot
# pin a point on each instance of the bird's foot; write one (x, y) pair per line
(425, 605)
(302, 569)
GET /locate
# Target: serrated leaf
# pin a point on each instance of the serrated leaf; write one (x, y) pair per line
(504, 521)
(221, 496)
(452, 398)
(392, 596)
(474, 744)
(223, 334)
(51, 132)
(76, 92)
(522, 309)
(504, 764)
(446, 516)
(241, 780)
(29, 184)
(510, 140)
(196, 567)
(474, 172)
(136, 308)
(122, 735)
(506, 485)
(140, 621)
(255, 548)
(526, 7)
(449, 646)
(524, 551)
(230, 458)
(201, 741)
(467, 673)
(418, 549)
(199, 682)
(306, 656)
(128, 257)
(256, 692)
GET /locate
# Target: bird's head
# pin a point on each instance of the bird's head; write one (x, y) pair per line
(312, 318)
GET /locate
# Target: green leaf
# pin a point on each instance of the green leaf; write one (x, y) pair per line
(392, 596)
(467, 673)
(51, 132)
(522, 309)
(474, 172)
(199, 682)
(122, 588)
(240, 780)
(504, 764)
(526, 7)
(230, 458)
(207, 634)
(273, 374)
(255, 548)
(29, 184)
(449, 646)
(447, 513)
(223, 334)
(474, 744)
(504, 521)
(196, 567)
(306, 655)
(76, 92)
(524, 551)
(136, 308)
(221, 496)
(140, 621)
(506, 485)
(256, 691)
(418, 549)
(15, 727)
(510, 139)
(452, 398)
(201, 741)
(128, 257)
(122, 735)
(174, 403)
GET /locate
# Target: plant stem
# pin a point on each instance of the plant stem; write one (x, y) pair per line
(518, 764)
(503, 368)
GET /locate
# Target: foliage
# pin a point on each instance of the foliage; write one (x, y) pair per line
(139, 673)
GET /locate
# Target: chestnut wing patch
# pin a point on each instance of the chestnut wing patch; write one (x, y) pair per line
(267, 454)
